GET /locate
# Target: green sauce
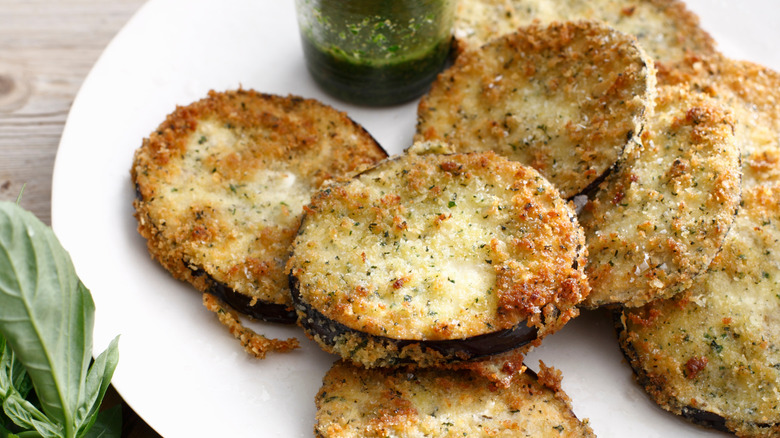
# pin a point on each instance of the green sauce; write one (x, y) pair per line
(375, 52)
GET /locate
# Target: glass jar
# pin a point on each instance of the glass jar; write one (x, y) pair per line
(375, 52)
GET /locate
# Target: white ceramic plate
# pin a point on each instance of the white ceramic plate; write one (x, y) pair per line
(179, 369)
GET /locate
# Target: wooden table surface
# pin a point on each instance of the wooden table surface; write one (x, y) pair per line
(47, 47)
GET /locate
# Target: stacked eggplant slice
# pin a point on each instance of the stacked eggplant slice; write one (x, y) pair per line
(566, 99)
(656, 222)
(712, 353)
(432, 269)
(435, 258)
(220, 188)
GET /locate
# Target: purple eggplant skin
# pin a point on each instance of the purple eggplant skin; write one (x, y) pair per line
(705, 418)
(327, 332)
(261, 310)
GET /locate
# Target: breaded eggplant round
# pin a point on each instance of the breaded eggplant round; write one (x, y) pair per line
(436, 258)
(712, 353)
(659, 219)
(356, 402)
(221, 184)
(564, 99)
(752, 94)
(666, 29)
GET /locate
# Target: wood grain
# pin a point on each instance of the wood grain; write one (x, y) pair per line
(46, 50)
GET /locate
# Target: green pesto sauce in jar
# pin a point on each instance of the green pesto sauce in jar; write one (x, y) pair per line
(375, 52)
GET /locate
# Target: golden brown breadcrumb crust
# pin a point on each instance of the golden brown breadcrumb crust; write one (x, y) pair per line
(221, 183)
(666, 29)
(439, 247)
(658, 221)
(564, 99)
(358, 402)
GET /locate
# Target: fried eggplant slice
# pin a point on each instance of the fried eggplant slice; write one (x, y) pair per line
(752, 94)
(666, 29)
(430, 402)
(221, 184)
(659, 219)
(712, 353)
(564, 99)
(437, 258)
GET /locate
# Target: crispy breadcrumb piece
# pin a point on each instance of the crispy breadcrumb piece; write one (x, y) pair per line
(499, 369)
(255, 344)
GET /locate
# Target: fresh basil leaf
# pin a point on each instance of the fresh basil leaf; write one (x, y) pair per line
(108, 424)
(27, 416)
(98, 381)
(7, 365)
(13, 379)
(47, 317)
(12, 372)
(45, 312)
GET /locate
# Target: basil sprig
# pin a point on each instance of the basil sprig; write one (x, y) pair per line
(47, 387)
